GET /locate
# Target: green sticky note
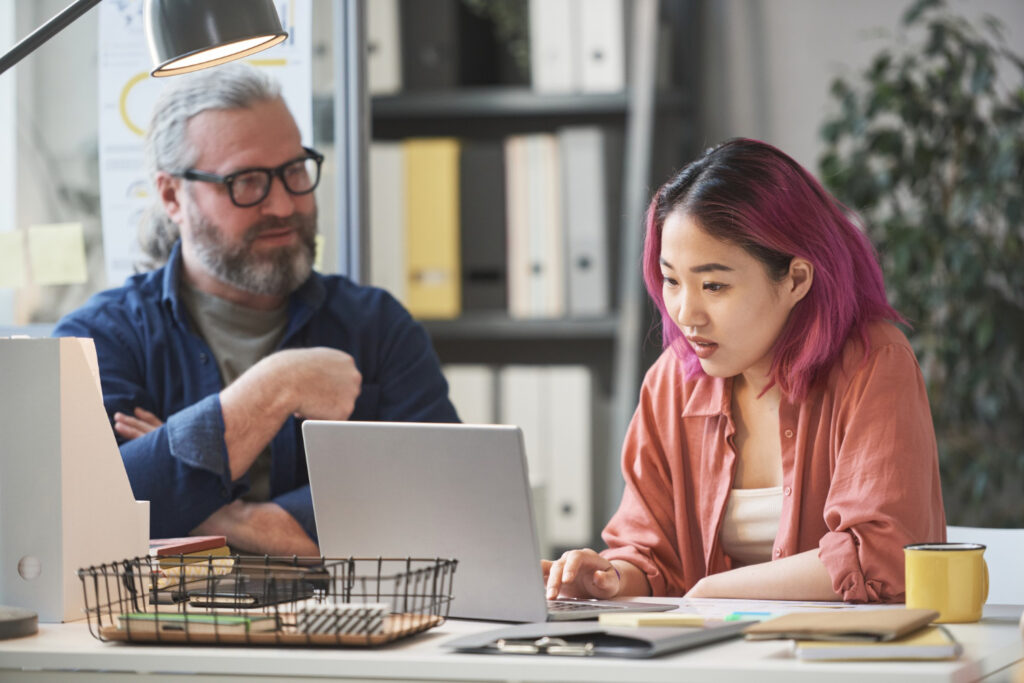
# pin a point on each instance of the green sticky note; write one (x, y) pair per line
(56, 254)
(12, 259)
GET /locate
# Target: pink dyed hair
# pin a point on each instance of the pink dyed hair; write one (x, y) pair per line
(753, 195)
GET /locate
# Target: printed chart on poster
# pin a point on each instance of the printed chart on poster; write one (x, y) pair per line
(127, 93)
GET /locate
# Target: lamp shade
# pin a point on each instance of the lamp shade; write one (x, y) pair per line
(186, 35)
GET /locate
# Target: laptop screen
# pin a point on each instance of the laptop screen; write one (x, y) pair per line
(432, 490)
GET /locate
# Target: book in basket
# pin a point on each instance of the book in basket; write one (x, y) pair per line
(145, 623)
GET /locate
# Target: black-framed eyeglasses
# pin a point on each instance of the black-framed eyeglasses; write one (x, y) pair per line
(250, 186)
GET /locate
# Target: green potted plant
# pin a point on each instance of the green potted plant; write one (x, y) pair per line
(927, 146)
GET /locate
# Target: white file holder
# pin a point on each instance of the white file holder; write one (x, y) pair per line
(65, 500)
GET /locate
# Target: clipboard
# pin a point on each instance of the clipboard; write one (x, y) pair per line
(588, 639)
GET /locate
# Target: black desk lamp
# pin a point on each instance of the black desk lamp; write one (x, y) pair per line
(183, 35)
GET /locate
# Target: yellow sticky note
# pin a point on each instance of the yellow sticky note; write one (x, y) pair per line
(12, 259)
(318, 261)
(56, 253)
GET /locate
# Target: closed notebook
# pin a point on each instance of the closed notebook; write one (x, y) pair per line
(933, 642)
(847, 625)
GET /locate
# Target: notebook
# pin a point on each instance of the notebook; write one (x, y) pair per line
(439, 490)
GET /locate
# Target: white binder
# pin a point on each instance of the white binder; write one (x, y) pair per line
(552, 405)
(546, 242)
(567, 398)
(586, 220)
(383, 48)
(519, 389)
(601, 45)
(472, 390)
(387, 218)
(554, 55)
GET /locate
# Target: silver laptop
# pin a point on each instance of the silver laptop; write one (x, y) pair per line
(439, 490)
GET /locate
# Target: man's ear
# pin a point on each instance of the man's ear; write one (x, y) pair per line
(169, 190)
(800, 278)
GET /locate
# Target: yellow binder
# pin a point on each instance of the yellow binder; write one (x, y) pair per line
(432, 227)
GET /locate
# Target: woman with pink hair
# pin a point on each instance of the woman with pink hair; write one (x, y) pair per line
(783, 446)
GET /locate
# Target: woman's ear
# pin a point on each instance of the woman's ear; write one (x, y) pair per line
(800, 278)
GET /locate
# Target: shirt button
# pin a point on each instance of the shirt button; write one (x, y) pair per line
(202, 357)
(789, 433)
(788, 490)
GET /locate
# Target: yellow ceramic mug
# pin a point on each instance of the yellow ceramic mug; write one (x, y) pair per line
(950, 578)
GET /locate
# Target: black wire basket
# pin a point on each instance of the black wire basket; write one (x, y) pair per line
(232, 599)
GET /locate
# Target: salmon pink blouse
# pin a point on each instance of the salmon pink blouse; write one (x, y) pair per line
(859, 467)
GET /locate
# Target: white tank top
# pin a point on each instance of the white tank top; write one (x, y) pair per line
(750, 524)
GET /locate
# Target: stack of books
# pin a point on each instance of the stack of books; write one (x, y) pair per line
(180, 563)
(871, 634)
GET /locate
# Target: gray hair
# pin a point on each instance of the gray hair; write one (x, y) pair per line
(232, 86)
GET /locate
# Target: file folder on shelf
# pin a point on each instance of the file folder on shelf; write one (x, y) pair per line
(432, 227)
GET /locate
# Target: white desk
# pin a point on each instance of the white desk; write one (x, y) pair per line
(993, 649)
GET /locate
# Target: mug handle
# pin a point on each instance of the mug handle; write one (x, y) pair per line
(984, 598)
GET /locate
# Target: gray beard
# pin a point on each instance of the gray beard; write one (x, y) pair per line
(277, 273)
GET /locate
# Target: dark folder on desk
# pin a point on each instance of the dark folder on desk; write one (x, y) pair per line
(590, 639)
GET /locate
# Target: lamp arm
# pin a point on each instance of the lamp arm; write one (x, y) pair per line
(48, 30)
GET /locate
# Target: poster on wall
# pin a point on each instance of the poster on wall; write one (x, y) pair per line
(126, 95)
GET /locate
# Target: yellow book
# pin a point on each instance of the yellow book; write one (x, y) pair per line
(433, 287)
(932, 642)
(652, 619)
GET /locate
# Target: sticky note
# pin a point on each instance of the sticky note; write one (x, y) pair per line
(56, 253)
(318, 260)
(651, 619)
(12, 259)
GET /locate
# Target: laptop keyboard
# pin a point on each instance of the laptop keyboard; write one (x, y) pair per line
(575, 606)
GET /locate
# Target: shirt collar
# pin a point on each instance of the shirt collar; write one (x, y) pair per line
(708, 396)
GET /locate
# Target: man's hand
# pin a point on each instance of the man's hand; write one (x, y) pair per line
(318, 383)
(264, 528)
(134, 426)
(323, 383)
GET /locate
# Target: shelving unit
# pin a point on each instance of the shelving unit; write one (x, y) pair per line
(612, 346)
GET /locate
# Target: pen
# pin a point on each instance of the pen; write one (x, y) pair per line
(747, 616)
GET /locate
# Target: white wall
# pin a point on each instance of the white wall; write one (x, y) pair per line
(769, 63)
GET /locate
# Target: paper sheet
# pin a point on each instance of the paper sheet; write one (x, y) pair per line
(12, 259)
(57, 253)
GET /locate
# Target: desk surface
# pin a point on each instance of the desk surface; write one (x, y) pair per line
(992, 648)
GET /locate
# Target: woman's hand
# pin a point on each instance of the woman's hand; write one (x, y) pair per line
(581, 574)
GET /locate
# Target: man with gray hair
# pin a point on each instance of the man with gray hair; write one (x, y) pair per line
(209, 362)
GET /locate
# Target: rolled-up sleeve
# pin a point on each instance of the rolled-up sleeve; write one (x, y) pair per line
(299, 504)
(642, 531)
(885, 490)
(181, 467)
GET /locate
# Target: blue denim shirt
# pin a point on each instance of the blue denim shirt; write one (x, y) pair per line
(150, 356)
